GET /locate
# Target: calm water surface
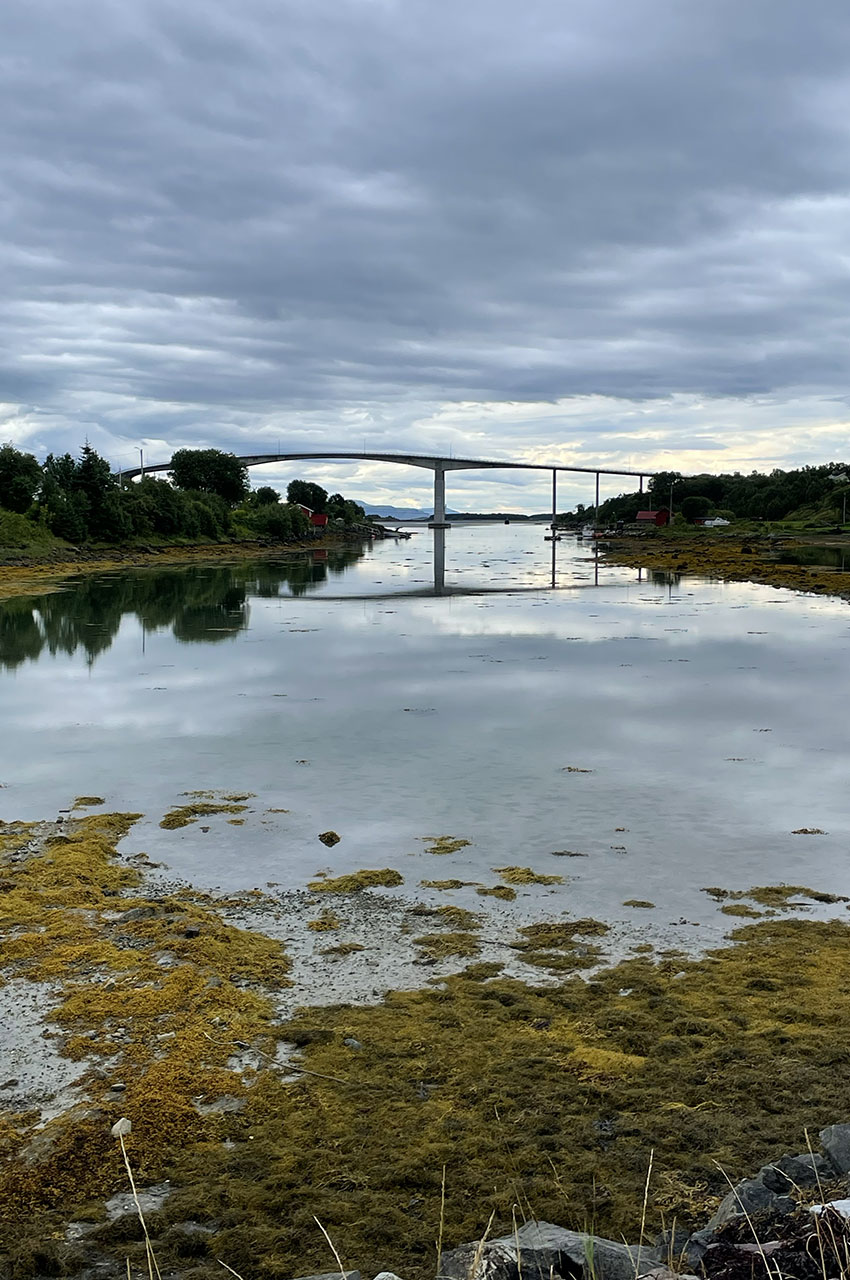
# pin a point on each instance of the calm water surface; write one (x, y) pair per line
(710, 718)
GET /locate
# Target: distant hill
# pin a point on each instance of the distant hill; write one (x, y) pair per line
(401, 513)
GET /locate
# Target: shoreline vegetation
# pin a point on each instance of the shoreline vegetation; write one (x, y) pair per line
(474, 1094)
(74, 514)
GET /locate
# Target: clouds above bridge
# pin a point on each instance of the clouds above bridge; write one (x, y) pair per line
(602, 231)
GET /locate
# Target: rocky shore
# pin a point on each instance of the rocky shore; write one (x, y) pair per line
(792, 1219)
(731, 557)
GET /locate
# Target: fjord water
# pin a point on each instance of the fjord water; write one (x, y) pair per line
(672, 734)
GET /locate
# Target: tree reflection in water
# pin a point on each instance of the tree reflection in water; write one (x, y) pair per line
(206, 604)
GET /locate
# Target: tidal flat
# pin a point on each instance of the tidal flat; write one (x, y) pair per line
(638, 942)
(543, 1093)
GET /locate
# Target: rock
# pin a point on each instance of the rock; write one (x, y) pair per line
(332, 1275)
(136, 913)
(672, 1243)
(387, 1275)
(351, 1043)
(150, 1200)
(698, 1243)
(805, 1170)
(841, 1207)
(835, 1140)
(226, 1105)
(330, 838)
(547, 1251)
(749, 1197)
(121, 1128)
(192, 931)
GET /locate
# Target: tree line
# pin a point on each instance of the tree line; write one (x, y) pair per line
(208, 497)
(809, 494)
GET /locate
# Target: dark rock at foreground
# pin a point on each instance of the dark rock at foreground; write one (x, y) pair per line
(541, 1250)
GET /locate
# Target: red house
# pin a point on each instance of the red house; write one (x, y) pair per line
(660, 517)
(313, 516)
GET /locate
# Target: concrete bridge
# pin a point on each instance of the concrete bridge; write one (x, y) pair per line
(436, 463)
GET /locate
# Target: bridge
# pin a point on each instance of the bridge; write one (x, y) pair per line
(436, 463)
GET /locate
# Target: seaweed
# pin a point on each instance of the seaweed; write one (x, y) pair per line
(525, 875)
(356, 881)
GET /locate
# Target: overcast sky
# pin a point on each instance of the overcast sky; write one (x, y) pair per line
(586, 231)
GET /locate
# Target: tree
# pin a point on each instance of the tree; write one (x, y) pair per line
(265, 496)
(20, 478)
(210, 471)
(282, 523)
(81, 498)
(695, 506)
(305, 494)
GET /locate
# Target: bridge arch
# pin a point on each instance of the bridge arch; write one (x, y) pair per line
(437, 463)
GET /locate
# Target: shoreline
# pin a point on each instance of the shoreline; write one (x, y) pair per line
(731, 557)
(21, 575)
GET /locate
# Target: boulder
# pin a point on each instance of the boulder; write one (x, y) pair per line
(835, 1140)
(805, 1170)
(749, 1197)
(540, 1250)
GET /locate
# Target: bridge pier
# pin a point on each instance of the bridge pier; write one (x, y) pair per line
(439, 521)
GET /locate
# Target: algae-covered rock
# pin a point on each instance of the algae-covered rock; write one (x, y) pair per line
(385, 878)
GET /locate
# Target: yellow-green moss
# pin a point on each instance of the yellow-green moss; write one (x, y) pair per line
(88, 802)
(444, 844)
(446, 884)
(776, 896)
(442, 946)
(497, 891)
(232, 796)
(327, 922)
(357, 880)
(342, 949)
(184, 814)
(724, 558)
(638, 902)
(525, 875)
(556, 946)
(451, 917)
(547, 1096)
(71, 915)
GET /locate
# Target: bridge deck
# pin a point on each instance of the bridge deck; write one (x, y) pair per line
(431, 462)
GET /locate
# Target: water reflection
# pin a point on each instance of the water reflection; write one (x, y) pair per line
(206, 604)
(209, 603)
(826, 557)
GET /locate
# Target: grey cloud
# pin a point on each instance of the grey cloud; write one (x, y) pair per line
(215, 214)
